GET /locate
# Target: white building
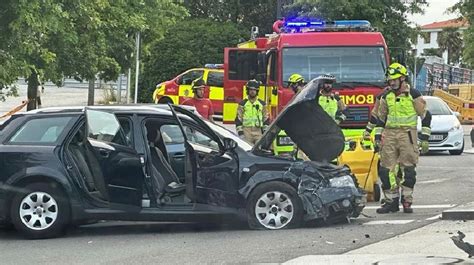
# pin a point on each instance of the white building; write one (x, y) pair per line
(428, 39)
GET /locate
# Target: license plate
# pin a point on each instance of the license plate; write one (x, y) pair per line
(436, 137)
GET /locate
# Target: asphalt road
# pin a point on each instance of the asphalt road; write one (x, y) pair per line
(443, 181)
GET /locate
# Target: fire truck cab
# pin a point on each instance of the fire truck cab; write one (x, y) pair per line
(178, 89)
(351, 50)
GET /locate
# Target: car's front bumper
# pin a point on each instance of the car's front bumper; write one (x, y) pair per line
(452, 140)
(327, 202)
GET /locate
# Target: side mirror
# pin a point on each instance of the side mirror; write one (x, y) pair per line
(229, 144)
(457, 114)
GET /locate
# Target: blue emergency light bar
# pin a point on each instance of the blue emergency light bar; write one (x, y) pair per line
(299, 25)
(214, 66)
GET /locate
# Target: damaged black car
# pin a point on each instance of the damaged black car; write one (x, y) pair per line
(63, 166)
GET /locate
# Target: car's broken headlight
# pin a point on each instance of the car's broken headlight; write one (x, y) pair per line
(344, 181)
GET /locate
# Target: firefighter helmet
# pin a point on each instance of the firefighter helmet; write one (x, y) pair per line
(252, 84)
(296, 79)
(198, 83)
(396, 70)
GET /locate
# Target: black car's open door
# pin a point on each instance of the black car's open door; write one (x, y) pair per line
(212, 175)
(119, 165)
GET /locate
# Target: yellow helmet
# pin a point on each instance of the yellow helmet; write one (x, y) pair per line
(296, 78)
(396, 70)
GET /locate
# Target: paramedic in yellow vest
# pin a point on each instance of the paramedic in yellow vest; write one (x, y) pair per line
(330, 101)
(252, 117)
(396, 133)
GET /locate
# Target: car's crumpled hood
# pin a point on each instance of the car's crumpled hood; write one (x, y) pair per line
(308, 125)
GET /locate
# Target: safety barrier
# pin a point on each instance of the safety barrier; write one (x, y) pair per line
(458, 104)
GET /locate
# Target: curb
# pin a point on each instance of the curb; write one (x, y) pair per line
(462, 212)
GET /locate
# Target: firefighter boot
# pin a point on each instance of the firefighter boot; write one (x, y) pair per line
(406, 206)
(389, 207)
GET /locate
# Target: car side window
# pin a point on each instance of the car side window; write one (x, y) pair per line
(40, 130)
(215, 78)
(200, 138)
(171, 134)
(189, 77)
(104, 126)
(126, 125)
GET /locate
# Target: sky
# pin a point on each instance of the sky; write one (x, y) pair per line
(434, 12)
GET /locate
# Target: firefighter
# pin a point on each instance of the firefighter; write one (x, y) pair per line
(252, 118)
(397, 115)
(330, 101)
(296, 82)
(203, 105)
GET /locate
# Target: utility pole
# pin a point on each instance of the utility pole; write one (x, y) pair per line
(129, 79)
(137, 68)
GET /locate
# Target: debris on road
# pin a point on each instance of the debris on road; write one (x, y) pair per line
(465, 246)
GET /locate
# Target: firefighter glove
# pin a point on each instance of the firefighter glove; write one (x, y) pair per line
(366, 136)
(425, 146)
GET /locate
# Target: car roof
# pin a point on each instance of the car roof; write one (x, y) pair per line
(142, 108)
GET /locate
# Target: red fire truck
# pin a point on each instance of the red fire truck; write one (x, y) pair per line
(351, 50)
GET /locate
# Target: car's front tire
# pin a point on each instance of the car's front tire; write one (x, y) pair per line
(40, 210)
(457, 152)
(274, 205)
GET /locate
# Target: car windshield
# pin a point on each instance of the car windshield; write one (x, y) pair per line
(228, 134)
(347, 64)
(437, 106)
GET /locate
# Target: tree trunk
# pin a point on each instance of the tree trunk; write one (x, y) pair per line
(32, 91)
(90, 98)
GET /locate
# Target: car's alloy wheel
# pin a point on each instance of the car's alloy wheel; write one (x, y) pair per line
(41, 211)
(38, 210)
(274, 210)
(274, 205)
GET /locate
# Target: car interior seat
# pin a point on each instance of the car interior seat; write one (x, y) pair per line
(88, 166)
(162, 172)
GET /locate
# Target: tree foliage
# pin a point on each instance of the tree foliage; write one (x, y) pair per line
(388, 16)
(449, 39)
(58, 38)
(466, 10)
(189, 43)
(244, 13)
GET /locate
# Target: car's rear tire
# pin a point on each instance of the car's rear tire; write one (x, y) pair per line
(40, 210)
(274, 205)
(457, 152)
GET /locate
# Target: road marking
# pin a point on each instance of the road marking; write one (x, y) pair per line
(436, 217)
(433, 206)
(432, 181)
(444, 167)
(389, 222)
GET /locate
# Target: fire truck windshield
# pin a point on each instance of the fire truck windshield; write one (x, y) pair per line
(347, 64)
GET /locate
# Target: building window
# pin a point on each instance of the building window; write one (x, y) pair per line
(426, 37)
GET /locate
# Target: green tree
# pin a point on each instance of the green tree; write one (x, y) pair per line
(244, 13)
(449, 39)
(388, 16)
(465, 8)
(57, 38)
(189, 43)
